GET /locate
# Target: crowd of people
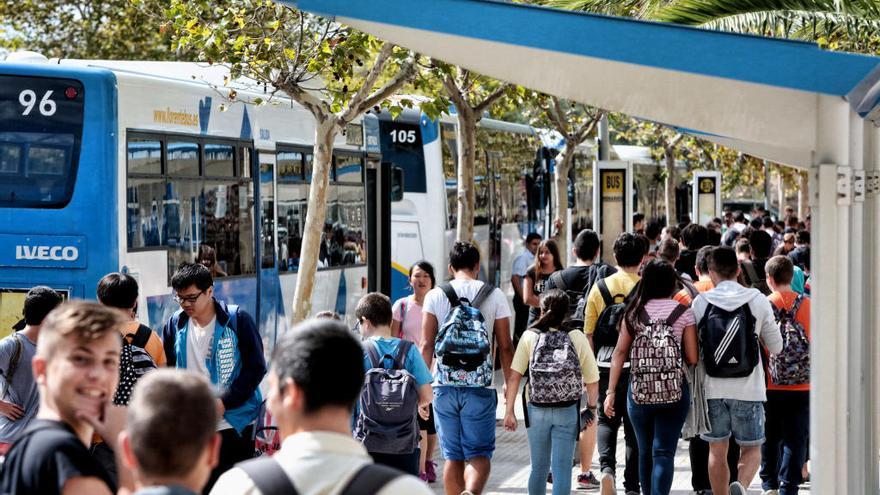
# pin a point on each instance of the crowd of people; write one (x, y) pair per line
(685, 336)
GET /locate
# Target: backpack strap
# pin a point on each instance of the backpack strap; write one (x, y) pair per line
(482, 295)
(796, 306)
(558, 280)
(690, 288)
(372, 349)
(675, 314)
(402, 351)
(370, 480)
(142, 336)
(268, 476)
(751, 273)
(606, 294)
(450, 294)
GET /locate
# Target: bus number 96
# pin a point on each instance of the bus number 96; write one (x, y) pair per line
(28, 98)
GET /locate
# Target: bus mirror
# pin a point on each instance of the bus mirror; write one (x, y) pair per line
(396, 184)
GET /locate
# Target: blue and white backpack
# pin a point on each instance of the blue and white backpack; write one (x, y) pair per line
(463, 349)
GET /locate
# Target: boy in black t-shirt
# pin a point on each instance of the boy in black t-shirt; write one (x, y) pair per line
(76, 368)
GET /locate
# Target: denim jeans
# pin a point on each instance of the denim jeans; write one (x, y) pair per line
(785, 449)
(607, 433)
(552, 435)
(658, 428)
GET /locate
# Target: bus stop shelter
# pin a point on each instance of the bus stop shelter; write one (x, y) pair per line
(782, 100)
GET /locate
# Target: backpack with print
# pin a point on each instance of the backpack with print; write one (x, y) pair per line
(792, 365)
(656, 366)
(608, 325)
(134, 362)
(389, 402)
(463, 350)
(554, 369)
(578, 298)
(728, 342)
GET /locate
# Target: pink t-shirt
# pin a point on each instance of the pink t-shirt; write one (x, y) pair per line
(661, 308)
(407, 311)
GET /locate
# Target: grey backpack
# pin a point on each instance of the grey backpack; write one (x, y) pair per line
(554, 370)
(389, 402)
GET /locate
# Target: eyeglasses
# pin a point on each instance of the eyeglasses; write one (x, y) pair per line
(188, 299)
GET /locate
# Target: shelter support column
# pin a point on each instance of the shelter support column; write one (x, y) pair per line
(871, 346)
(830, 434)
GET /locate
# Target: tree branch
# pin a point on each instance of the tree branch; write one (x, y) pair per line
(403, 75)
(455, 94)
(556, 115)
(370, 79)
(489, 100)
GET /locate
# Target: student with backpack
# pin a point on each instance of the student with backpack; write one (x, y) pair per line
(693, 237)
(577, 280)
(19, 394)
(605, 306)
(559, 365)
(317, 375)
(658, 336)
(464, 323)
(547, 262)
(221, 342)
(732, 320)
(788, 385)
(141, 350)
(397, 386)
(407, 324)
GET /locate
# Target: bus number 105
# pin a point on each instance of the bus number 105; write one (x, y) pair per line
(28, 99)
(403, 136)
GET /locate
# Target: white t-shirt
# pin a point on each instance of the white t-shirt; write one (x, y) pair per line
(199, 341)
(522, 262)
(494, 307)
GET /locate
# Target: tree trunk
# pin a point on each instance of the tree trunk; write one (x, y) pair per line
(467, 153)
(325, 133)
(560, 177)
(669, 192)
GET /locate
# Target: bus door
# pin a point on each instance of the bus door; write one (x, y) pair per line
(612, 203)
(382, 188)
(268, 298)
(706, 196)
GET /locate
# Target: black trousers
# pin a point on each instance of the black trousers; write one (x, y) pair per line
(521, 318)
(785, 450)
(408, 463)
(608, 428)
(234, 448)
(698, 449)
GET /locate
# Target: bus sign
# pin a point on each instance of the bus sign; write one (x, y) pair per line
(50, 251)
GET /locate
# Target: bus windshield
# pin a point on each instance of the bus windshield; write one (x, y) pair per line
(41, 121)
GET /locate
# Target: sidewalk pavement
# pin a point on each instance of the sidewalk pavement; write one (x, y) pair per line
(510, 464)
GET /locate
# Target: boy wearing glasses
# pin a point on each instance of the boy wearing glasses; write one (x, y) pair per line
(221, 342)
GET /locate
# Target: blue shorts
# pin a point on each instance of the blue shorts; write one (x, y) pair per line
(743, 419)
(465, 419)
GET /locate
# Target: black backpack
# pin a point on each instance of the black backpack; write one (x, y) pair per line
(577, 299)
(608, 325)
(271, 479)
(753, 280)
(728, 342)
(134, 362)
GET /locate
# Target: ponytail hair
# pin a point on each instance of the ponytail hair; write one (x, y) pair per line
(554, 310)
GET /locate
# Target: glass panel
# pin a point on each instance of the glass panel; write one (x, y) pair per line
(40, 133)
(184, 221)
(450, 171)
(267, 229)
(349, 168)
(228, 243)
(244, 162)
(292, 207)
(144, 156)
(10, 158)
(183, 159)
(307, 166)
(219, 160)
(581, 181)
(146, 216)
(343, 230)
(290, 166)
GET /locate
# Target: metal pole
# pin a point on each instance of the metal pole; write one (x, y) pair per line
(767, 186)
(604, 143)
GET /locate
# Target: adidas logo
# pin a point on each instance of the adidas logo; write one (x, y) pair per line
(733, 361)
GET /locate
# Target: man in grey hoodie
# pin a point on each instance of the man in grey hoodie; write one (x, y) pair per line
(735, 404)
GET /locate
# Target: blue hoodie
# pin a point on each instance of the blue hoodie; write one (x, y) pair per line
(236, 363)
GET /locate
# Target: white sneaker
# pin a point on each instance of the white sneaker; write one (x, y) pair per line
(770, 492)
(737, 489)
(606, 484)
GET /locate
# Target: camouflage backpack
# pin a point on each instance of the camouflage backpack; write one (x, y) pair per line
(792, 365)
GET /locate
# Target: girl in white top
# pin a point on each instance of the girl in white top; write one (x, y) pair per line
(406, 324)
